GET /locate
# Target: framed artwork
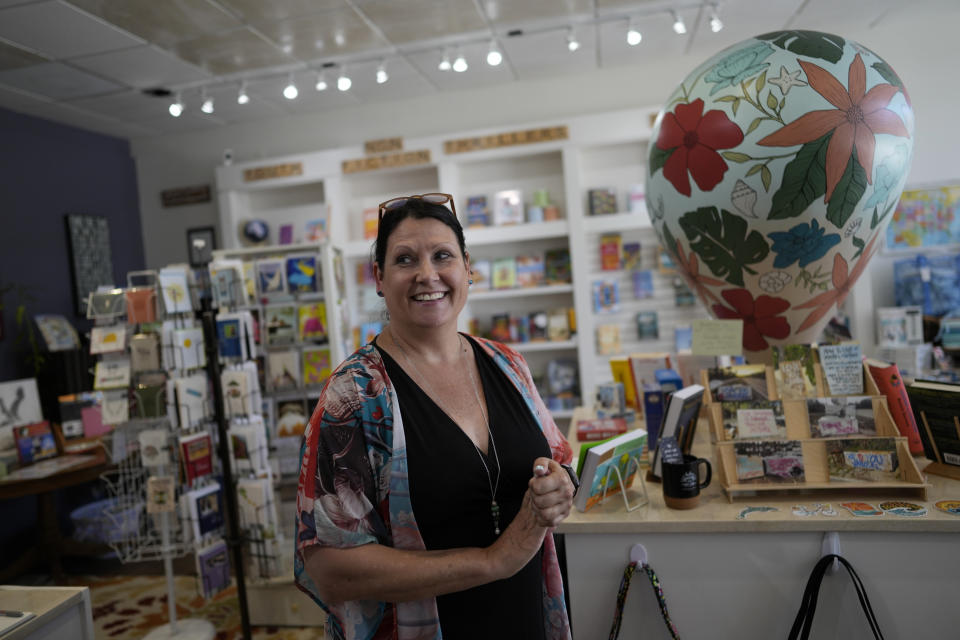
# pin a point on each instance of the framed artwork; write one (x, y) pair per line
(201, 241)
(925, 217)
(88, 248)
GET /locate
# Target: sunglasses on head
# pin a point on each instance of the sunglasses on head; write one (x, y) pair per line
(432, 198)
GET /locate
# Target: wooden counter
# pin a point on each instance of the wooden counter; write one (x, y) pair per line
(730, 578)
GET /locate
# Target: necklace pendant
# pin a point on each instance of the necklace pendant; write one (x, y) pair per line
(495, 512)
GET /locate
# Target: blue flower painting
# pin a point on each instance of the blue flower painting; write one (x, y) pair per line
(739, 65)
(804, 242)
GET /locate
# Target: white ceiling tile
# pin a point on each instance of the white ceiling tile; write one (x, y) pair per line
(76, 33)
(323, 35)
(505, 13)
(142, 67)
(227, 109)
(403, 81)
(230, 52)
(56, 80)
(129, 106)
(259, 12)
(189, 121)
(413, 20)
(545, 54)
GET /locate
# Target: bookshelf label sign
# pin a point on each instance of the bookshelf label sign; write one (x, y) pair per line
(185, 195)
(383, 145)
(270, 172)
(507, 139)
(386, 161)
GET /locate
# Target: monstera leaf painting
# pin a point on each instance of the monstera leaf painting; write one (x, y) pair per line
(774, 168)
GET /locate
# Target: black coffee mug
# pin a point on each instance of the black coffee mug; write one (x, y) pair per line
(682, 483)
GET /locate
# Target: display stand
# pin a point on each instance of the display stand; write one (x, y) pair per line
(623, 490)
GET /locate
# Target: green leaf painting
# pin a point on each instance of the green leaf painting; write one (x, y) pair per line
(888, 74)
(723, 242)
(847, 193)
(812, 44)
(804, 180)
(658, 158)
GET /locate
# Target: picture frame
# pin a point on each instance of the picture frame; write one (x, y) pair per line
(201, 241)
(88, 251)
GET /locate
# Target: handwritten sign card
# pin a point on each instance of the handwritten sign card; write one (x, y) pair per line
(717, 337)
(843, 368)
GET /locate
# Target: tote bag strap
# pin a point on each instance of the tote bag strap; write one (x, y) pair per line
(657, 590)
(808, 605)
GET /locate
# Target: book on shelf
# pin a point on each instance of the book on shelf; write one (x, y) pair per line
(530, 271)
(34, 442)
(478, 215)
(286, 234)
(793, 370)
(538, 326)
(648, 327)
(303, 274)
(681, 410)
(891, 384)
(620, 368)
(899, 326)
(936, 409)
(653, 399)
(611, 400)
(500, 327)
(315, 230)
(769, 461)
(606, 296)
(504, 273)
(371, 222)
(481, 274)
(556, 264)
(594, 429)
(601, 201)
(312, 322)
(196, 456)
(631, 256)
(611, 247)
(608, 339)
(508, 207)
(558, 325)
(624, 452)
(213, 568)
(842, 368)
(637, 199)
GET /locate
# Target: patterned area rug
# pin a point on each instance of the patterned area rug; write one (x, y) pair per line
(129, 607)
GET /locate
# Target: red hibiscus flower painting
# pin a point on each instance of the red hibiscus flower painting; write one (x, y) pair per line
(761, 317)
(693, 137)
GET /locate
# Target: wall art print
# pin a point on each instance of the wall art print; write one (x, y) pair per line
(773, 172)
(925, 218)
(91, 262)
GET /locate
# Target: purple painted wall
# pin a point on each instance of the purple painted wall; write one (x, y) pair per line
(46, 171)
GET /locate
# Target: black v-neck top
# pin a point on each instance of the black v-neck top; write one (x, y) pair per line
(450, 495)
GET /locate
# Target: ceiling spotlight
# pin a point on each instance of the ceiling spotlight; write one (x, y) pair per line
(176, 107)
(494, 57)
(344, 82)
(322, 81)
(572, 43)
(679, 27)
(242, 97)
(445, 62)
(290, 91)
(207, 106)
(460, 64)
(716, 24)
(382, 72)
(633, 35)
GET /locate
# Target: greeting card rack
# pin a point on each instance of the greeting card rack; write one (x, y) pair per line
(816, 477)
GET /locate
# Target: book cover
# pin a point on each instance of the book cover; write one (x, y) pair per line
(303, 274)
(286, 234)
(620, 369)
(312, 321)
(196, 456)
(284, 369)
(141, 304)
(145, 352)
(500, 327)
(653, 399)
(111, 374)
(625, 453)
(642, 284)
(175, 290)
(558, 325)
(753, 419)
(161, 494)
(213, 568)
(188, 350)
(478, 215)
(793, 366)
(890, 384)
(769, 461)
(315, 230)
(281, 323)
(562, 377)
(504, 273)
(738, 383)
(611, 401)
(271, 279)
(602, 201)
(206, 510)
(530, 271)
(229, 338)
(842, 368)
(648, 327)
(556, 264)
(610, 249)
(316, 366)
(57, 332)
(631, 256)
(683, 296)
(508, 207)
(538, 326)
(936, 409)
(481, 274)
(108, 339)
(608, 339)
(840, 417)
(34, 442)
(606, 296)
(863, 459)
(292, 418)
(371, 222)
(154, 450)
(683, 338)
(643, 368)
(680, 414)
(600, 428)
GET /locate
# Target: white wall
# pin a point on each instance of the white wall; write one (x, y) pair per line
(915, 48)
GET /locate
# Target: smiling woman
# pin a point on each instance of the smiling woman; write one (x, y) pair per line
(431, 473)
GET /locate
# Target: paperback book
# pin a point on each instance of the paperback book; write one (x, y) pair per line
(603, 462)
(478, 215)
(679, 423)
(890, 383)
(606, 296)
(530, 271)
(648, 327)
(504, 273)
(557, 266)
(642, 284)
(508, 207)
(610, 249)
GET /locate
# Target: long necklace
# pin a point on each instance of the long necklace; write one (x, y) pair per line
(491, 482)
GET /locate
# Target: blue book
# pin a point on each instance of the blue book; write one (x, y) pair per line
(653, 397)
(228, 338)
(668, 379)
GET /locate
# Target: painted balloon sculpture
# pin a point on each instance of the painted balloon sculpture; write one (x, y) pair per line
(773, 171)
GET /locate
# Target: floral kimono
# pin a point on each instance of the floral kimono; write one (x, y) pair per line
(353, 490)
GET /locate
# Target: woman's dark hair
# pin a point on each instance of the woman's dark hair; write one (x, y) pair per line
(418, 209)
